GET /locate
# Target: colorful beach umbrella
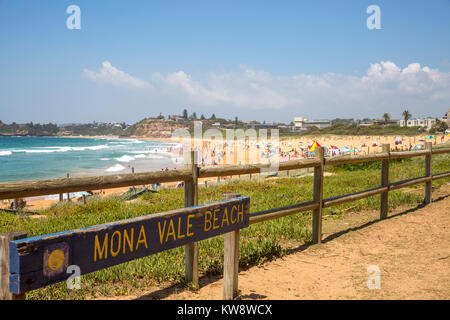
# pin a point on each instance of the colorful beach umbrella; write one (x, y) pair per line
(314, 145)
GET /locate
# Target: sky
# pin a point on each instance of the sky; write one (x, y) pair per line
(255, 59)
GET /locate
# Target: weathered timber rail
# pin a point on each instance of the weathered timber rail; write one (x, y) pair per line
(191, 174)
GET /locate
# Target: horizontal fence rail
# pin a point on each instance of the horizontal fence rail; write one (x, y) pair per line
(261, 216)
(355, 159)
(10, 190)
(192, 172)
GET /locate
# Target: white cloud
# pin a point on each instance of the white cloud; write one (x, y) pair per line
(384, 82)
(111, 75)
(385, 87)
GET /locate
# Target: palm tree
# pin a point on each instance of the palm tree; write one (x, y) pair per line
(406, 115)
(386, 118)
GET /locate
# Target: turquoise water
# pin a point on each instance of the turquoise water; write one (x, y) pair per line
(32, 158)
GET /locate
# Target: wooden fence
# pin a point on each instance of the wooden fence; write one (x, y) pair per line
(190, 175)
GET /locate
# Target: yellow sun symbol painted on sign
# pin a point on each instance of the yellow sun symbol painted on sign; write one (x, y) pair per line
(56, 259)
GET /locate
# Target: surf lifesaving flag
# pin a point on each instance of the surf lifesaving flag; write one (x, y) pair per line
(313, 146)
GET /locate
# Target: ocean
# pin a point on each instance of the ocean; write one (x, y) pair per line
(33, 158)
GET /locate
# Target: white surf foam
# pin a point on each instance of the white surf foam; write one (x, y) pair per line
(115, 168)
(61, 149)
(125, 158)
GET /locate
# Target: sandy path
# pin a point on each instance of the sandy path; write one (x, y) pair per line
(411, 250)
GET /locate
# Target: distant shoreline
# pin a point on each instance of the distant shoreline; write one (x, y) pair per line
(92, 137)
(121, 137)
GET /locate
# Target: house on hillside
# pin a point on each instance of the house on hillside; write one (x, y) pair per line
(177, 118)
(426, 123)
(303, 124)
(383, 122)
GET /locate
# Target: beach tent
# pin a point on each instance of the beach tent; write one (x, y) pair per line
(314, 145)
(417, 147)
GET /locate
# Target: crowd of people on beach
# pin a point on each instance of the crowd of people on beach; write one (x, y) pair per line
(249, 151)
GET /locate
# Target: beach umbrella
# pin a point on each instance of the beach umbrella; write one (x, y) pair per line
(345, 149)
(430, 137)
(417, 147)
(314, 145)
(398, 139)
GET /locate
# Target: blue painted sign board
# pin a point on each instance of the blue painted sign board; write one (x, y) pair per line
(39, 261)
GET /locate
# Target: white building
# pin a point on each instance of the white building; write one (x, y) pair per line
(302, 123)
(425, 123)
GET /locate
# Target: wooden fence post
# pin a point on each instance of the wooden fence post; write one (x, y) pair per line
(68, 194)
(5, 238)
(428, 147)
(191, 199)
(318, 197)
(231, 260)
(384, 182)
